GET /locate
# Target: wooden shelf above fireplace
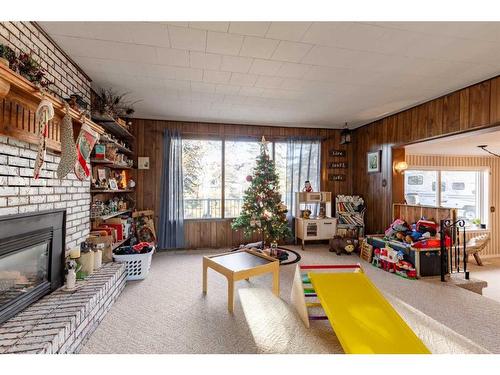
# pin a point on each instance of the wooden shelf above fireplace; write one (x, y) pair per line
(19, 99)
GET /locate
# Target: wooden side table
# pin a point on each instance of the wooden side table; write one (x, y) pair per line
(239, 265)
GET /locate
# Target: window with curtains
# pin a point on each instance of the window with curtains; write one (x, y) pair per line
(465, 190)
(215, 173)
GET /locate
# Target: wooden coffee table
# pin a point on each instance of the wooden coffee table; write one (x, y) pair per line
(239, 265)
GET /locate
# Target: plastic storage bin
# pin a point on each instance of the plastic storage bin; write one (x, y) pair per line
(137, 265)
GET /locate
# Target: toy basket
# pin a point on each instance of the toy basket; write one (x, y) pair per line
(136, 265)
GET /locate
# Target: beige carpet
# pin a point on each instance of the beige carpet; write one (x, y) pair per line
(167, 313)
(489, 272)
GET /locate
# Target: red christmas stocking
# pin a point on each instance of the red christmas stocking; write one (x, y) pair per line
(44, 113)
(84, 145)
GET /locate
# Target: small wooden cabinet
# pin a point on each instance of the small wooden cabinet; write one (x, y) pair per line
(314, 228)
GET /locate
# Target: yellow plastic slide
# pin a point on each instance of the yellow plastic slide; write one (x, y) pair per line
(363, 320)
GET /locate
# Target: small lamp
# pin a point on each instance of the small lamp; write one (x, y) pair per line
(400, 167)
(345, 135)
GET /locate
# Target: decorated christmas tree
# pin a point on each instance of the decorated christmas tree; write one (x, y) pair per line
(263, 210)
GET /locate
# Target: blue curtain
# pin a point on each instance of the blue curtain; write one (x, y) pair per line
(302, 164)
(171, 231)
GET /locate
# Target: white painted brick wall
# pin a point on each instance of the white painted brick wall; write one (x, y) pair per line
(25, 37)
(20, 193)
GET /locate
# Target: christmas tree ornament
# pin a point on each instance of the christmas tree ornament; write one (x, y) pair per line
(44, 113)
(68, 147)
(84, 145)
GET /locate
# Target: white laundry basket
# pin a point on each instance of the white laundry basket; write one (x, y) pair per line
(137, 265)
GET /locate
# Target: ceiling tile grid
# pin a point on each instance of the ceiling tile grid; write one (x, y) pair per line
(317, 74)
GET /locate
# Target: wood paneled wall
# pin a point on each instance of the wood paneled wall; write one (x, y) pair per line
(471, 108)
(218, 233)
(468, 162)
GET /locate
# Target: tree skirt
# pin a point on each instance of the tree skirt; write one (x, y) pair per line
(284, 255)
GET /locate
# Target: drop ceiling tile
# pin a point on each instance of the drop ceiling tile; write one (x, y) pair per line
(172, 84)
(292, 70)
(291, 51)
(203, 87)
(243, 79)
(249, 28)
(214, 76)
(331, 56)
(269, 82)
(187, 38)
(352, 35)
(202, 60)
(251, 91)
(176, 23)
(287, 30)
(148, 33)
(170, 56)
(179, 73)
(258, 47)
(227, 89)
(293, 84)
(78, 47)
(210, 26)
(236, 64)
(265, 67)
(223, 43)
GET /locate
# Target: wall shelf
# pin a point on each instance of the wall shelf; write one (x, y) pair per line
(108, 191)
(110, 125)
(109, 216)
(120, 148)
(110, 164)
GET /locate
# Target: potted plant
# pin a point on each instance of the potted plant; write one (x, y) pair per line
(7, 55)
(110, 104)
(476, 222)
(30, 69)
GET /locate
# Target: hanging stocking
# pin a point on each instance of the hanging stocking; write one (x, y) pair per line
(68, 147)
(44, 113)
(84, 145)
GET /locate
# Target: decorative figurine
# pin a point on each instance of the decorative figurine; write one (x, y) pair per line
(307, 187)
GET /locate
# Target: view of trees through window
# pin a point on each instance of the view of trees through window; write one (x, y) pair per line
(203, 177)
(202, 171)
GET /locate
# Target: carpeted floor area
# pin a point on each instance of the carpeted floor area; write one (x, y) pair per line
(167, 313)
(489, 272)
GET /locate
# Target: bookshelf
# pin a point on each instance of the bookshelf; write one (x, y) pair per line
(350, 214)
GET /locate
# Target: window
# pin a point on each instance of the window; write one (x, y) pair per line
(239, 163)
(420, 187)
(207, 181)
(202, 170)
(467, 191)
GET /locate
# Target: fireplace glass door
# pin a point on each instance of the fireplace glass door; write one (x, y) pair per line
(22, 271)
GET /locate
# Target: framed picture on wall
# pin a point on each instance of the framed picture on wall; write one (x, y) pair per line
(373, 160)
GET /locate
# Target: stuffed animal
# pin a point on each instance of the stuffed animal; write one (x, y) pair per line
(337, 244)
(349, 248)
(307, 187)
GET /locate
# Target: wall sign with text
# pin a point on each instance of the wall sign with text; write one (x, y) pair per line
(336, 177)
(339, 153)
(337, 164)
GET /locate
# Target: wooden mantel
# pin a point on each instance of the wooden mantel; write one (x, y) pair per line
(19, 99)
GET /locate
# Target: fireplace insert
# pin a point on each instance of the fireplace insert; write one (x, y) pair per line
(31, 258)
